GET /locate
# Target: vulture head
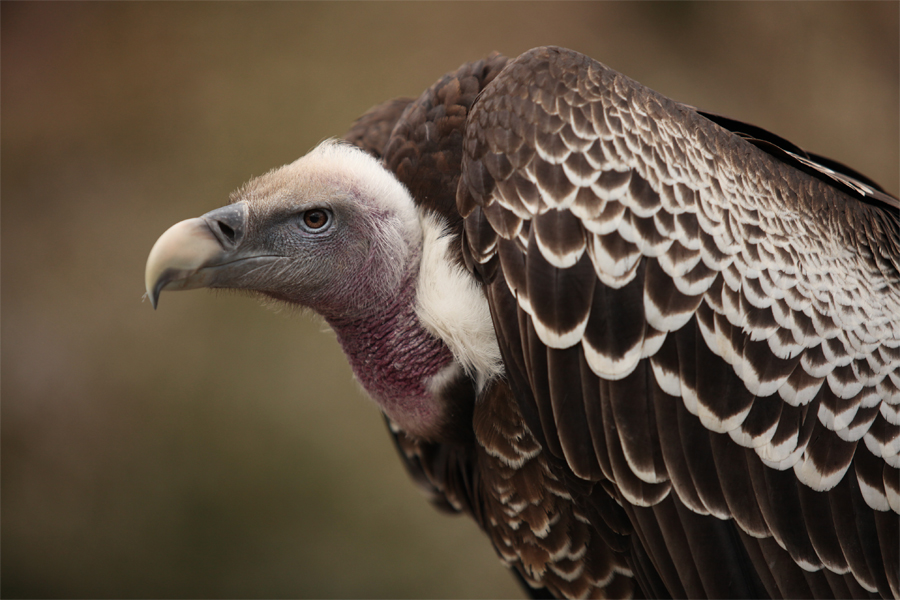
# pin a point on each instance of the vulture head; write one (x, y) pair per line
(333, 231)
(336, 232)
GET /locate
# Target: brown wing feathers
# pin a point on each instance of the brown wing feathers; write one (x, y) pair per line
(517, 492)
(701, 344)
(712, 331)
(425, 147)
(372, 131)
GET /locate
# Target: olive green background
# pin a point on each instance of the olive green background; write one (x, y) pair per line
(216, 449)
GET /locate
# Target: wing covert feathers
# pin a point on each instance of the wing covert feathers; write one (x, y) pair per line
(710, 330)
(525, 503)
(372, 131)
(700, 334)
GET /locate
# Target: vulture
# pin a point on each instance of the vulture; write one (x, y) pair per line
(652, 351)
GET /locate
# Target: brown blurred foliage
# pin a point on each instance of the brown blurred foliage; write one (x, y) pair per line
(213, 449)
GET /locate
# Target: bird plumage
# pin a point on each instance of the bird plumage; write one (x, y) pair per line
(699, 392)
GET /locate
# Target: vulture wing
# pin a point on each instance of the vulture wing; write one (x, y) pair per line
(372, 131)
(708, 332)
(559, 536)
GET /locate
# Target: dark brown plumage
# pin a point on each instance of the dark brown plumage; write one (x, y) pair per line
(699, 326)
(712, 473)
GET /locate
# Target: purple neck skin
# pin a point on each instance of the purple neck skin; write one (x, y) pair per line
(393, 358)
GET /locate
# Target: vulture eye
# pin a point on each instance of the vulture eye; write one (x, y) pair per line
(315, 220)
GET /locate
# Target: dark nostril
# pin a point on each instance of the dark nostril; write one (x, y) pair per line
(227, 224)
(227, 231)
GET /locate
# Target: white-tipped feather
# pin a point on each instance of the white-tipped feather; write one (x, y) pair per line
(785, 463)
(807, 471)
(677, 267)
(560, 339)
(874, 497)
(754, 441)
(608, 367)
(783, 348)
(893, 498)
(653, 341)
(837, 421)
(891, 413)
(560, 261)
(668, 381)
(662, 320)
(799, 397)
(778, 453)
(712, 421)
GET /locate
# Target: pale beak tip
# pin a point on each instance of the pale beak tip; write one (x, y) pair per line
(176, 257)
(154, 299)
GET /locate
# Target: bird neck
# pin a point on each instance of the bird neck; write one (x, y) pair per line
(398, 361)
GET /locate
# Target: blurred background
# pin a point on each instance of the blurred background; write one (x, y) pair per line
(217, 449)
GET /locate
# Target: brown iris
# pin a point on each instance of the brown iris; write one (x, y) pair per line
(315, 219)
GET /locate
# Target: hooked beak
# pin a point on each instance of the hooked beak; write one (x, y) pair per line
(200, 252)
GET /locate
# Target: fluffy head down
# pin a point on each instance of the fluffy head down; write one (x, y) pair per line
(368, 249)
